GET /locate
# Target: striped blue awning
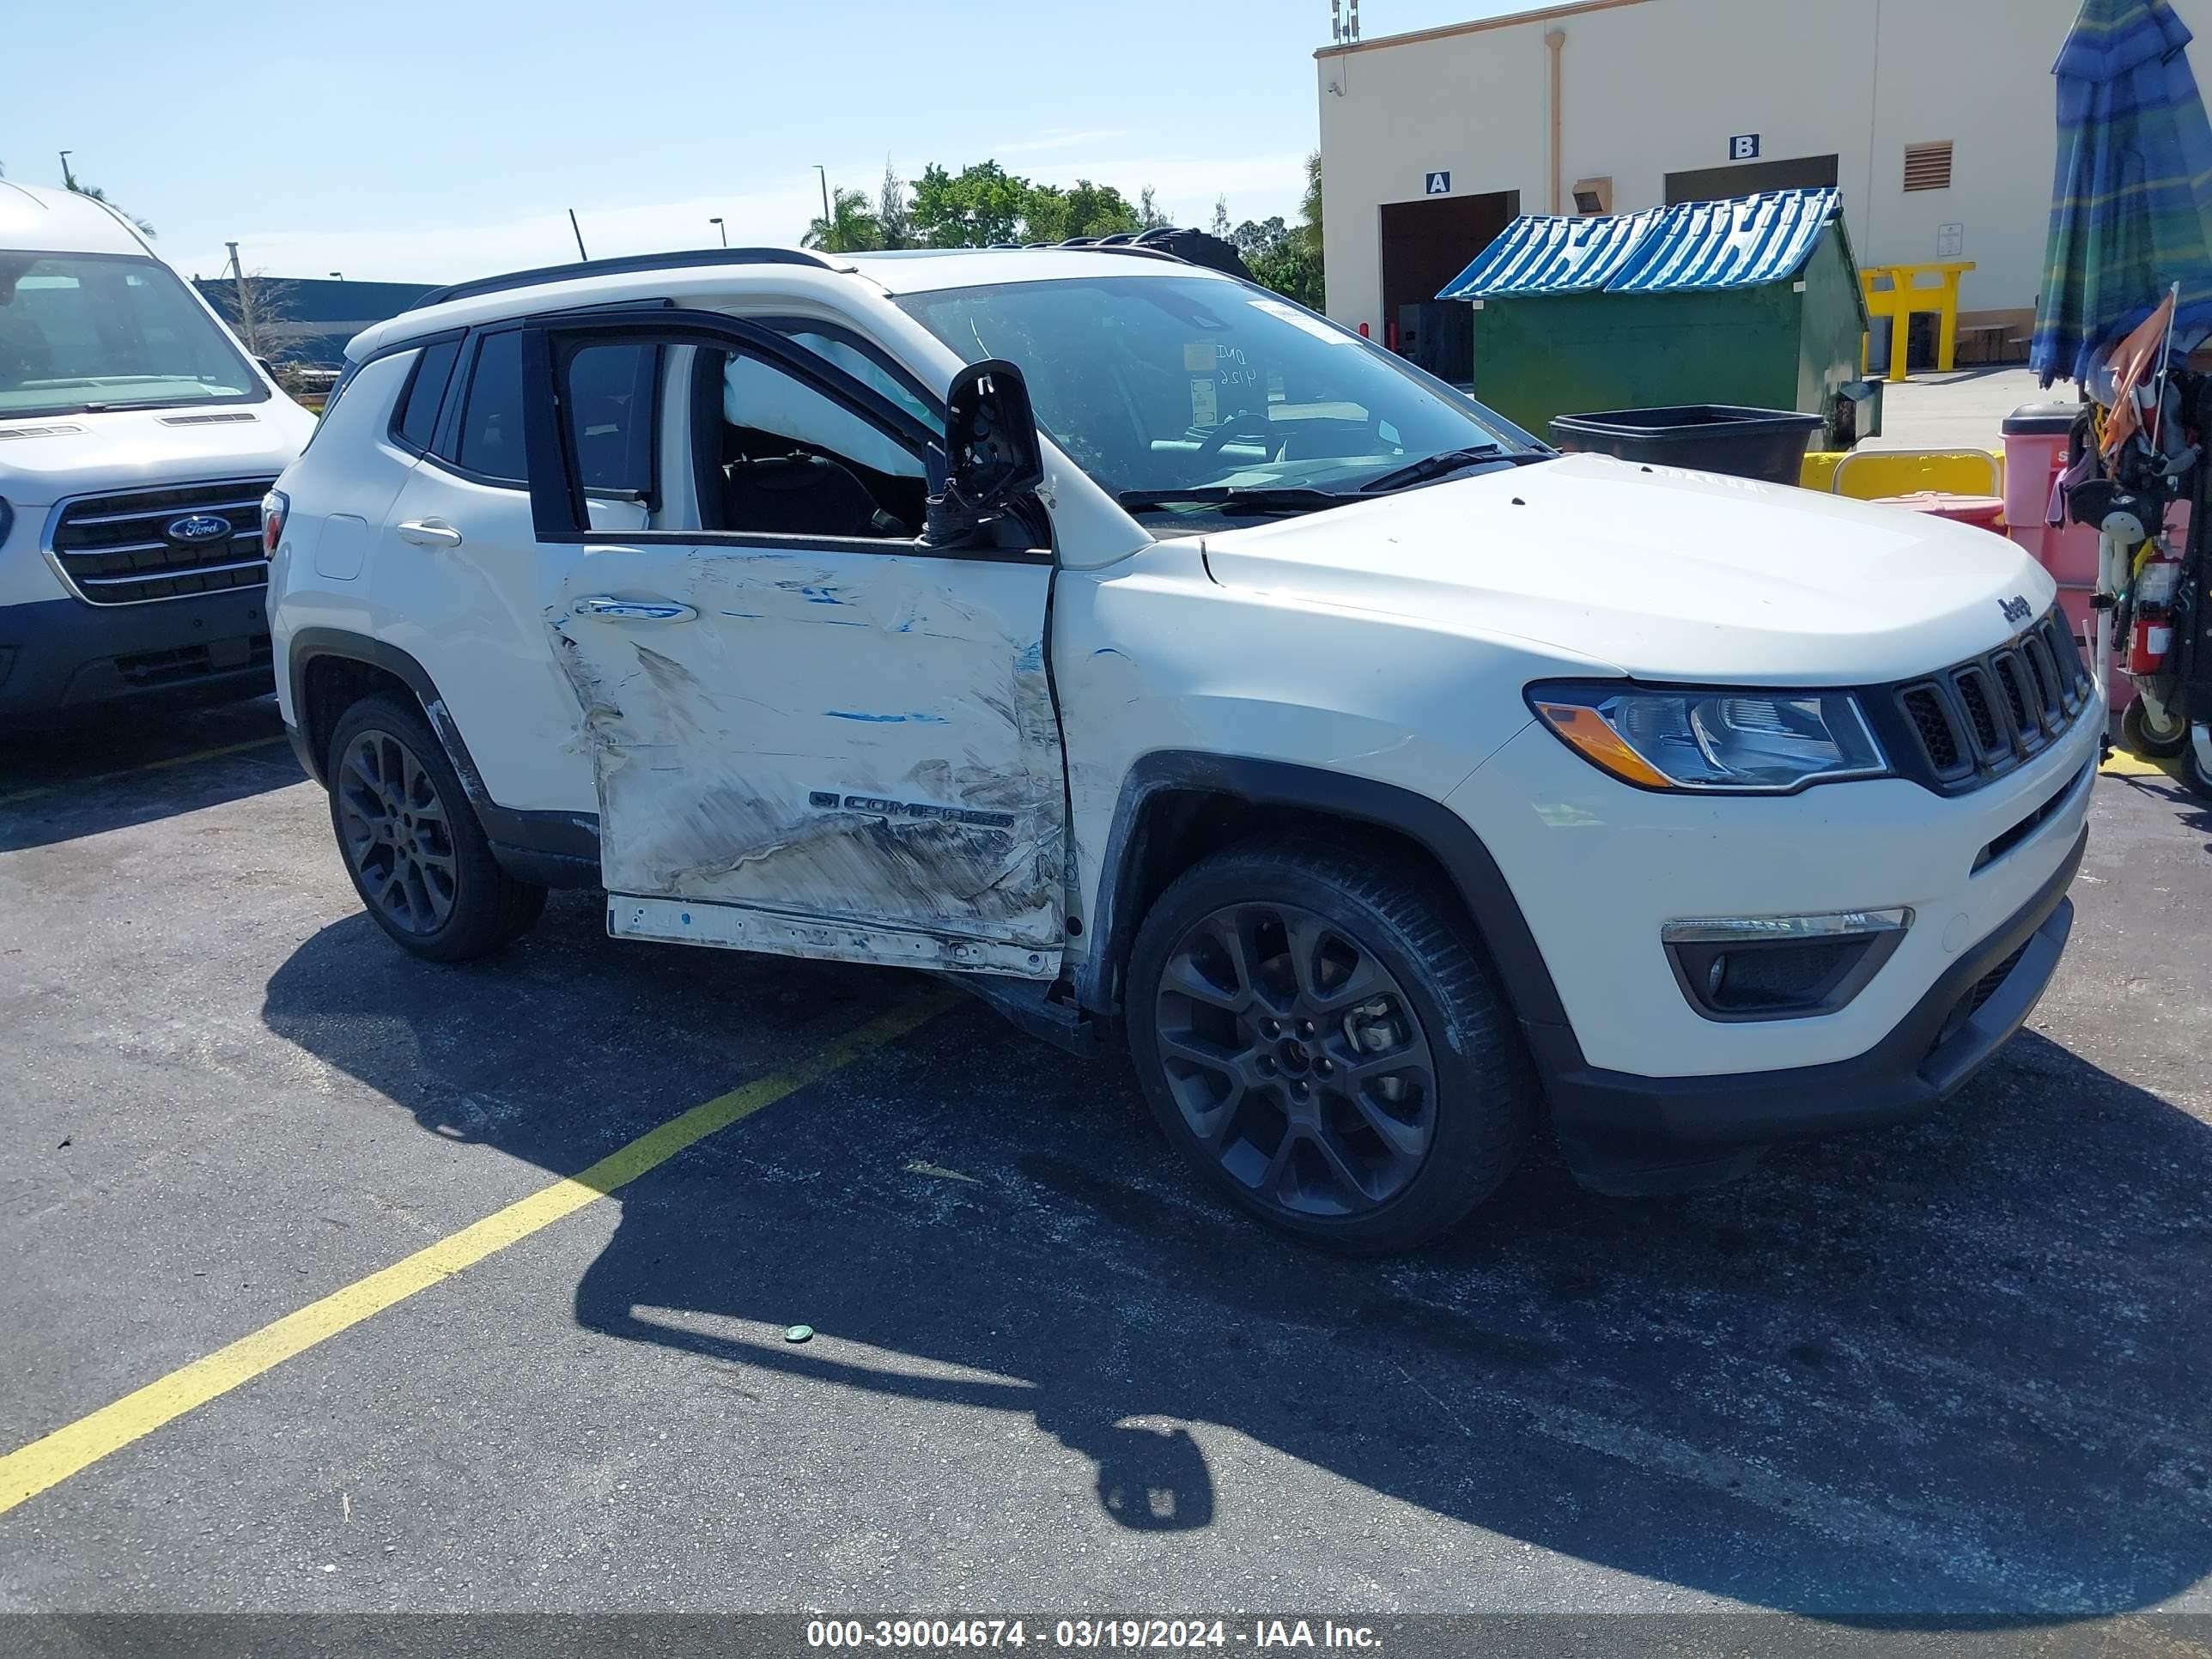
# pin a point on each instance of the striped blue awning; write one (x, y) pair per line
(1746, 241)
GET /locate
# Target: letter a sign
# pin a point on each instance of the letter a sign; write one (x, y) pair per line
(1439, 184)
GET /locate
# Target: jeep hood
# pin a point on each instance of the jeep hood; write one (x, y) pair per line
(48, 458)
(1667, 574)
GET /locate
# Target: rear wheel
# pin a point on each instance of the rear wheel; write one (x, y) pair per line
(411, 843)
(2197, 760)
(2155, 731)
(1320, 1036)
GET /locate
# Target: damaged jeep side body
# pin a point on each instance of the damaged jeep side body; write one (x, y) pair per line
(1175, 667)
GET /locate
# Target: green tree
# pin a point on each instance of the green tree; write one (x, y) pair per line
(1287, 257)
(1310, 205)
(981, 204)
(1149, 216)
(894, 213)
(850, 227)
(1053, 215)
(1255, 238)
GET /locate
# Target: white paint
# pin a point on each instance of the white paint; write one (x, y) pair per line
(1665, 86)
(862, 736)
(1654, 568)
(342, 546)
(855, 753)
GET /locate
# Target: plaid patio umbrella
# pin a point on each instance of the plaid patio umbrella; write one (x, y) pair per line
(2132, 208)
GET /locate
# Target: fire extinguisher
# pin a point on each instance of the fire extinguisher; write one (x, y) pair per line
(2150, 636)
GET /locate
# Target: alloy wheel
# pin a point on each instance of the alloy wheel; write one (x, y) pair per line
(393, 826)
(1296, 1058)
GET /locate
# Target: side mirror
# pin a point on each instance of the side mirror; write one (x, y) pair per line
(993, 457)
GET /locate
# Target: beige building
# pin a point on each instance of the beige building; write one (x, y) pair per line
(1937, 117)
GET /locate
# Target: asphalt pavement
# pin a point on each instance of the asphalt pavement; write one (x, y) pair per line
(1958, 1367)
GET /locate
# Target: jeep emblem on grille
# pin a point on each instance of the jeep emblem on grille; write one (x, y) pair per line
(2016, 609)
(198, 528)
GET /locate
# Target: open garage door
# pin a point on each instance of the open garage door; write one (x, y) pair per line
(1425, 245)
(1749, 177)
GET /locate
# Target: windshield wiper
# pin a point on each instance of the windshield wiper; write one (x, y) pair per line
(1430, 468)
(127, 407)
(1234, 499)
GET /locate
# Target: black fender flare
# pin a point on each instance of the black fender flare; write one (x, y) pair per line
(1447, 837)
(555, 849)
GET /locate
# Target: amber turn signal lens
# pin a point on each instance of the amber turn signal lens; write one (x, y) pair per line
(1586, 730)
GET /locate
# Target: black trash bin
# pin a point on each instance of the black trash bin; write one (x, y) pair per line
(1767, 444)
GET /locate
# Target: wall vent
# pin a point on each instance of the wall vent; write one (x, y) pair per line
(1927, 166)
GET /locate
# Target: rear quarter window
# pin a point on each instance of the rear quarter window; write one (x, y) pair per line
(415, 423)
(490, 440)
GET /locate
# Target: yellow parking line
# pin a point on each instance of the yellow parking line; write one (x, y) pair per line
(26, 1473)
(197, 756)
(2121, 765)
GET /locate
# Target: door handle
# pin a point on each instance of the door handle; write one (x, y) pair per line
(632, 610)
(430, 532)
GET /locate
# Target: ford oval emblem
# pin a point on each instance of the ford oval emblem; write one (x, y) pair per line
(199, 528)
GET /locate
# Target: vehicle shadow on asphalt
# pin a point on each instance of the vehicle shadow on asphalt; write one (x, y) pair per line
(1953, 1368)
(94, 773)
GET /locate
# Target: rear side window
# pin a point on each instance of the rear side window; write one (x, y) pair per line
(490, 441)
(611, 416)
(416, 423)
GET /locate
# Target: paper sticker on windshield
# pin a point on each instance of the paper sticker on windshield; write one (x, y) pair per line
(1302, 321)
(1198, 359)
(1205, 403)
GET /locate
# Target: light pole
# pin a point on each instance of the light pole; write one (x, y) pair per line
(719, 226)
(338, 276)
(69, 180)
(236, 275)
(824, 171)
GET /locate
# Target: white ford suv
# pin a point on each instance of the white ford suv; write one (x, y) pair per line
(1384, 778)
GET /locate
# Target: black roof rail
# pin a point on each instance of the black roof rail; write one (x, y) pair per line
(1091, 245)
(671, 261)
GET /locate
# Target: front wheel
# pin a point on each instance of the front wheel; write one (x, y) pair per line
(1318, 1034)
(411, 843)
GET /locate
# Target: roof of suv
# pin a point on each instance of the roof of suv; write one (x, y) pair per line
(695, 272)
(62, 221)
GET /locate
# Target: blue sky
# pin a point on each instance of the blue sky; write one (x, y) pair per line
(431, 142)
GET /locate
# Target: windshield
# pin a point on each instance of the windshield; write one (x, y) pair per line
(1157, 383)
(81, 332)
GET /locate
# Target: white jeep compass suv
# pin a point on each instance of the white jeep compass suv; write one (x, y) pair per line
(1382, 777)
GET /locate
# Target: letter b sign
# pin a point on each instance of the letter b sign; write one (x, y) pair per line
(1744, 148)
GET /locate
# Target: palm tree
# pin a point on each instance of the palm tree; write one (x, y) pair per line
(1310, 206)
(850, 227)
(894, 212)
(94, 192)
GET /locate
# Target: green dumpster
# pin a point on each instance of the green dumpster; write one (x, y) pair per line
(1753, 301)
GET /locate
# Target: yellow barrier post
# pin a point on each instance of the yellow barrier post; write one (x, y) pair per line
(1907, 293)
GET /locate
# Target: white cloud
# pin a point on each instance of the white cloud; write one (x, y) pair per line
(1060, 138)
(1257, 186)
(1185, 187)
(455, 253)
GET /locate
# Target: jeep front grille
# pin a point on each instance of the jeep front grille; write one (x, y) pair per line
(1977, 720)
(126, 549)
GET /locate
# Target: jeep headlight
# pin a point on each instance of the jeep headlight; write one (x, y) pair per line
(1748, 741)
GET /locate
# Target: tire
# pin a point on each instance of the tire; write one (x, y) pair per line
(2197, 761)
(2148, 741)
(411, 843)
(1256, 1076)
